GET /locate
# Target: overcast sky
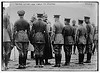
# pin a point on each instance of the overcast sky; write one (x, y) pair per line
(66, 10)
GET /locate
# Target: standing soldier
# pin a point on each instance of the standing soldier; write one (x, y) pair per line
(7, 40)
(89, 42)
(37, 39)
(68, 34)
(94, 38)
(21, 34)
(81, 40)
(48, 48)
(33, 19)
(75, 27)
(58, 40)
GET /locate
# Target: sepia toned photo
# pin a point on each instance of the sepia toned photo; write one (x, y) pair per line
(49, 35)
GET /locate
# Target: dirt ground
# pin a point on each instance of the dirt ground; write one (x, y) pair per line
(72, 67)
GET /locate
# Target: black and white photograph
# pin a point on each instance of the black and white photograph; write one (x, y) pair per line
(49, 35)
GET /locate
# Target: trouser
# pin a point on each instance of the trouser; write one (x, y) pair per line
(81, 52)
(89, 51)
(39, 48)
(6, 50)
(74, 48)
(68, 52)
(58, 56)
(22, 48)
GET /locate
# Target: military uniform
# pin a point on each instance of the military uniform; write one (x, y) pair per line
(21, 38)
(33, 18)
(48, 48)
(75, 29)
(38, 36)
(89, 41)
(7, 40)
(68, 34)
(58, 41)
(81, 41)
(94, 38)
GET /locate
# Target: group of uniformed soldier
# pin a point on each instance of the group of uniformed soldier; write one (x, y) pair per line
(44, 38)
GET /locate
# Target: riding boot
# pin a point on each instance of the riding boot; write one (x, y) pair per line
(82, 58)
(88, 58)
(56, 61)
(69, 58)
(20, 60)
(59, 60)
(25, 60)
(79, 57)
(6, 60)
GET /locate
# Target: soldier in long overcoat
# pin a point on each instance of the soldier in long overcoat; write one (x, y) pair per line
(21, 38)
(58, 40)
(68, 34)
(48, 47)
(81, 41)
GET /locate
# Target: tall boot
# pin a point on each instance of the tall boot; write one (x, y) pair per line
(65, 59)
(20, 61)
(56, 62)
(36, 60)
(79, 57)
(69, 58)
(41, 62)
(23, 61)
(59, 60)
(25, 57)
(88, 58)
(6, 61)
(82, 58)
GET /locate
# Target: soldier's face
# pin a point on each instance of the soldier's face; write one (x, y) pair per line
(21, 16)
(66, 22)
(56, 19)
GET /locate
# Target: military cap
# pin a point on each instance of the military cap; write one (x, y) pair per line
(80, 21)
(21, 12)
(56, 16)
(67, 19)
(86, 17)
(39, 15)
